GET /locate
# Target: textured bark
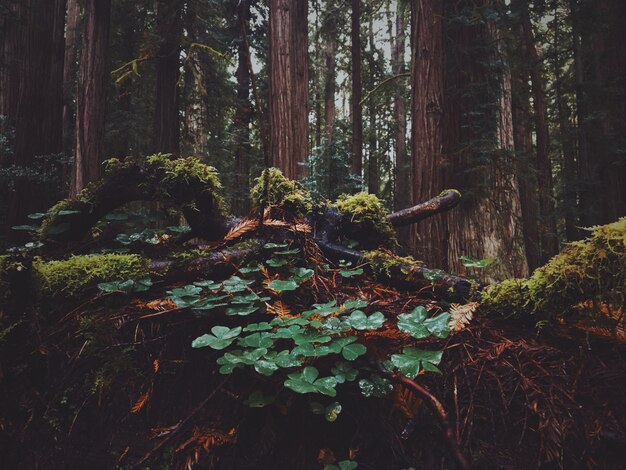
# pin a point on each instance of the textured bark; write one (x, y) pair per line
(373, 174)
(548, 233)
(243, 115)
(91, 95)
(525, 166)
(288, 107)
(329, 37)
(31, 96)
(355, 104)
(402, 169)
(442, 203)
(166, 130)
(70, 67)
(427, 72)
(478, 148)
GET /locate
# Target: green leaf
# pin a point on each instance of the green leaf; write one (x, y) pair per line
(282, 286)
(413, 323)
(265, 367)
(439, 326)
(36, 215)
(306, 381)
(179, 229)
(270, 246)
(127, 286)
(413, 360)
(276, 262)
(470, 262)
(351, 272)
(302, 274)
(283, 359)
(343, 465)
(262, 326)
(259, 400)
(311, 337)
(257, 340)
(322, 309)
(249, 269)
(376, 386)
(355, 303)
(28, 228)
(332, 411)
(241, 310)
(353, 351)
(288, 252)
(335, 325)
(289, 332)
(343, 372)
(116, 217)
(360, 321)
(221, 338)
(433, 274)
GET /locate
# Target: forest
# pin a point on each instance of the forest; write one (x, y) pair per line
(313, 234)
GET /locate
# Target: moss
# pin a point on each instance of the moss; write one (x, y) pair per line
(281, 192)
(381, 261)
(365, 220)
(593, 269)
(176, 174)
(74, 275)
(52, 216)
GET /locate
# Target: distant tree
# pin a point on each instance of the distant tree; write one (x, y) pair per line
(355, 98)
(93, 79)
(31, 96)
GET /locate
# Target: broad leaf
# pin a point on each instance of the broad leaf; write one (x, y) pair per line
(221, 338)
(281, 286)
(412, 361)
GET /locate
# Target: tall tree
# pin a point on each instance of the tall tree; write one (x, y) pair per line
(356, 111)
(31, 94)
(427, 107)
(329, 35)
(288, 103)
(69, 74)
(402, 170)
(243, 113)
(373, 170)
(166, 119)
(91, 95)
(548, 232)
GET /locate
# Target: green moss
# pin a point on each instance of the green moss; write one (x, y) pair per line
(593, 269)
(281, 192)
(364, 219)
(381, 261)
(70, 277)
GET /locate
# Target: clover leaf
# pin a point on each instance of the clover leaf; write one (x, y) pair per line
(360, 321)
(412, 361)
(221, 338)
(281, 286)
(306, 381)
(376, 386)
(343, 372)
(355, 303)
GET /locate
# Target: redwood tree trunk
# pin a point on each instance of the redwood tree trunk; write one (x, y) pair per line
(288, 107)
(548, 233)
(427, 72)
(91, 96)
(69, 75)
(243, 115)
(31, 96)
(356, 109)
(166, 133)
(403, 171)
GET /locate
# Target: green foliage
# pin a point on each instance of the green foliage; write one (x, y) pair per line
(419, 326)
(382, 261)
(221, 338)
(364, 219)
(281, 192)
(412, 361)
(127, 286)
(73, 276)
(593, 269)
(343, 465)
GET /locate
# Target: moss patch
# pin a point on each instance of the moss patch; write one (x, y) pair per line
(593, 269)
(281, 192)
(70, 277)
(381, 261)
(364, 219)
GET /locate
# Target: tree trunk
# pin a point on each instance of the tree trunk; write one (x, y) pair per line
(91, 96)
(31, 97)
(356, 109)
(288, 106)
(548, 233)
(477, 146)
(403, 171)
(166, 133)
(427, 72)
(373, 176)
(243, 115)
(329, 36)
(69, 75)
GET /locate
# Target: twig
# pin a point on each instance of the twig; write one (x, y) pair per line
(437, 408)
(180, 425)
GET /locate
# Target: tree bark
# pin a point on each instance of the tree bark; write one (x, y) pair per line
(355, 104)
(166, 130)
(31, 97)
(69, 75)
(548, 232)
(427, 72)
(243, 115)
(402, 168)
(329, 36)
(373, 174)
(91, 96)
(288, 106)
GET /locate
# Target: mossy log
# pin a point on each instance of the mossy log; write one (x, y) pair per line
(192, 185)
(592, 270)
